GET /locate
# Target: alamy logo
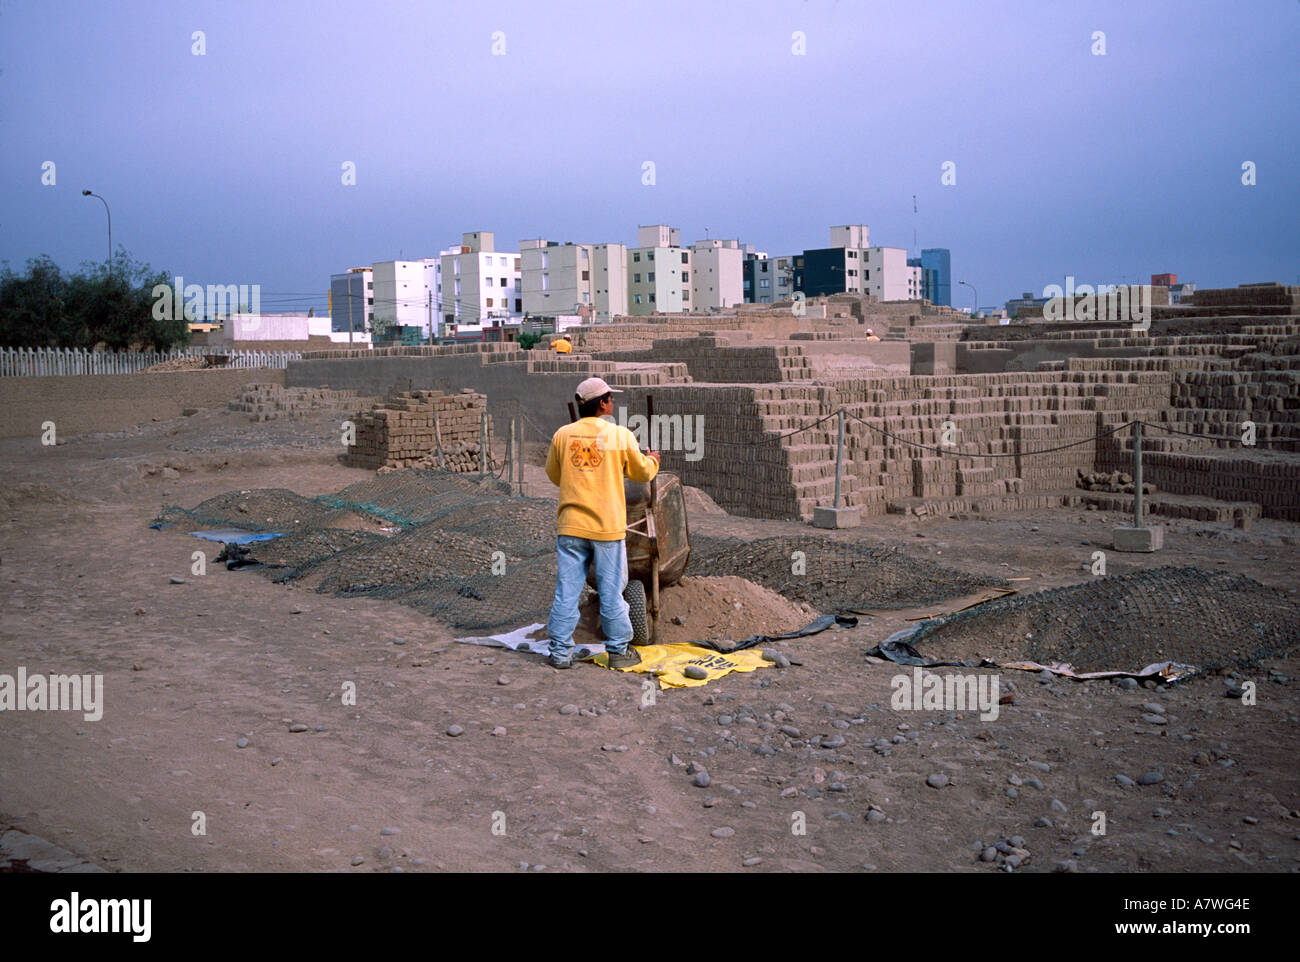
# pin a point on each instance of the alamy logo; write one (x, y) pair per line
(662, 432)
(194, 301)
(83, 693)
(1106, 302)
(924, 691)
(73, 915)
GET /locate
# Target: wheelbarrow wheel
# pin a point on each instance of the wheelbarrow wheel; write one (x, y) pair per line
(634, 595)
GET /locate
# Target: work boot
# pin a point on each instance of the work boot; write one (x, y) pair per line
(559, 662)
(624, 659)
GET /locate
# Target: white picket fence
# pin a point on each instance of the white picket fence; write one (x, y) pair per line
(37, 362)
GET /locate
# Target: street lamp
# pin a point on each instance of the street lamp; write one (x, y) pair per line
(87, 193)
(977, 298)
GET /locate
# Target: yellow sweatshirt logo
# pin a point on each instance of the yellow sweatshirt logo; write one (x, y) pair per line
(585, 453)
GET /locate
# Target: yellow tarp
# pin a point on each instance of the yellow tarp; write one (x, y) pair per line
(666, 662)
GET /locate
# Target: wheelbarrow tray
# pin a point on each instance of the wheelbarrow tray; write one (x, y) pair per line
(674, 540)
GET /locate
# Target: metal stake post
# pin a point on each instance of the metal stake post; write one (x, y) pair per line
(513, 456)
(482, 445)
(1137, 474)
(839, 458)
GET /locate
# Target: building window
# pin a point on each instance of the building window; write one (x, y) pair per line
(583, 251)
(519, 306)
(763, 267)
(650, 255)
(686, 275)
(487, 282)
(852, 254)
(546, 260)
(546, 282)
(586, 275)
(652, 298)
(763, 282)
(866, 275)
(636, 298)
(501, 261)
(685, 258)
(488, 302)
(586, 298)
(503, 282)
(636, 278)
(636, 257)
(652, 277)
(455, 266)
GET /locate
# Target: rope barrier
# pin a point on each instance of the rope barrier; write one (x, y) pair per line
(1219, 437)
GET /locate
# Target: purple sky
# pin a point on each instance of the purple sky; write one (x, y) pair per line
(226, 167)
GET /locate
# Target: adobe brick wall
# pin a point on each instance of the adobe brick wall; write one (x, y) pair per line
(91, 403)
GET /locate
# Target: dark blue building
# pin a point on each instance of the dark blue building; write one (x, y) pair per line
(936, 274)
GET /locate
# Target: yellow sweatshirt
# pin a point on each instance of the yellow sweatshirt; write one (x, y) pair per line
(588, 460)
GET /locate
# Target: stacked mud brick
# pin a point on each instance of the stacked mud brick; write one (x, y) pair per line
(266, 402)
(424, 350)
(720, 361)
(405, 430)
(744, 460)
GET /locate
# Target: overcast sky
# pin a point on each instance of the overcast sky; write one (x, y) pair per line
(227, 167)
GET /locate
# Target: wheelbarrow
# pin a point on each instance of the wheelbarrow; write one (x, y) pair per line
(658, 549)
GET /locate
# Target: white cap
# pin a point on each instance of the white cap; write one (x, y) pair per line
(593, 388)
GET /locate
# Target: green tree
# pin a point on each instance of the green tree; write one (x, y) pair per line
(95, 306)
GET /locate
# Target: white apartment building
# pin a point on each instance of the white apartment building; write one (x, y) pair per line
(406, 293)
(659, 272)
(886, 276)
(717, 274)
(558, 279)
(609, 273)
(480, 282)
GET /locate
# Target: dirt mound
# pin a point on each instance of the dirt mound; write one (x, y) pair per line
(699, 502)
(175, 364)
(710, 609)
(32, 493)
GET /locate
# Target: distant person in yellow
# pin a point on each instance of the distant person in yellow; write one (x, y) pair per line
(562, 345)
(871, 336)
(589, 460)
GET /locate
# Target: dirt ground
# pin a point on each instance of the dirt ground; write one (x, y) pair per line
(578, 770)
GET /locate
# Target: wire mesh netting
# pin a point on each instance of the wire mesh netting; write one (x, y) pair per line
(1207, 619)
(467, 552)
(454, 546)
(835, 575)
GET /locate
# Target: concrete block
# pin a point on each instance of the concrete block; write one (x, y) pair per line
(836, 517)
(1139, 539)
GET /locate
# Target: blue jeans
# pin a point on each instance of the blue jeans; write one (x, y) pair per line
(573, 556)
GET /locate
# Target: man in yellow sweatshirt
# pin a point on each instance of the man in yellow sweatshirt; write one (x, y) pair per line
(588, 460)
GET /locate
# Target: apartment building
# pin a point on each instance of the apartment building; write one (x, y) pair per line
(479, 282)
(352, 300)
(888, 277)
(558, 279)
(717, 274)
(659, 272)
(406, 293)
(850, 266)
